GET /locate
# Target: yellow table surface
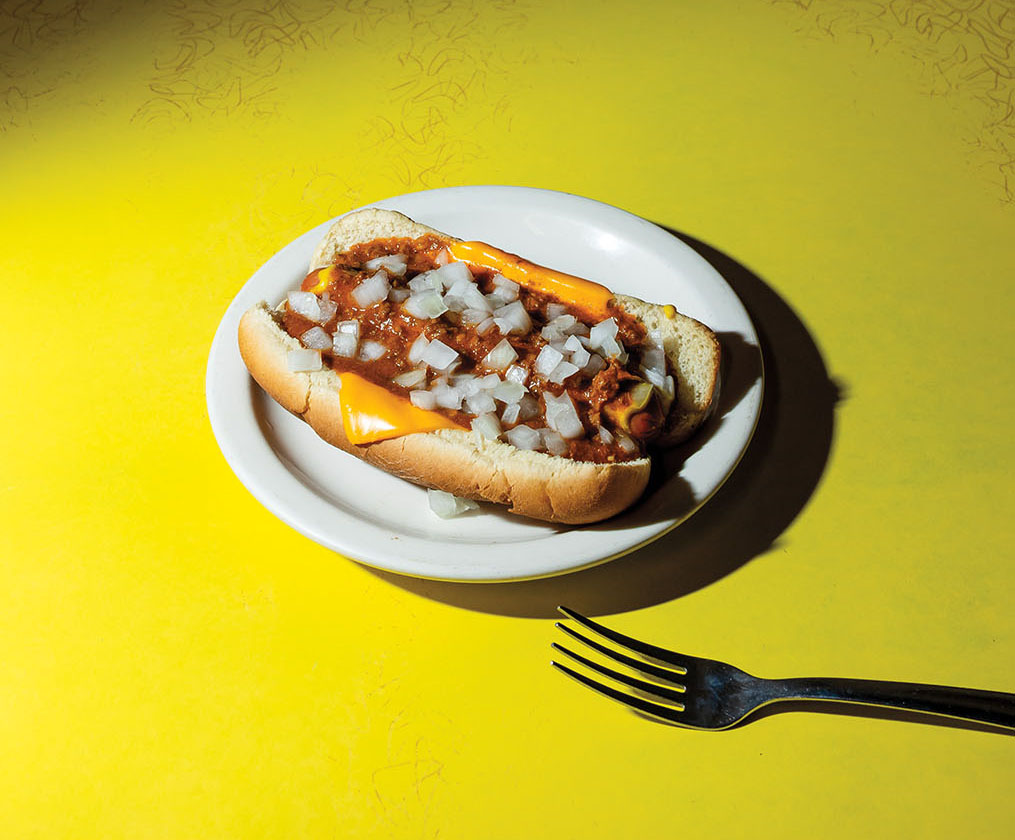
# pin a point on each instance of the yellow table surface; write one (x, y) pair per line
(176, 662)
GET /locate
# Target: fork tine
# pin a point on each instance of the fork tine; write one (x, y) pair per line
(638, 664)
(656, 710)
(640, 685)
(644, 648)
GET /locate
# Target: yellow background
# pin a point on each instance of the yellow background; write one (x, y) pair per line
(175, 662)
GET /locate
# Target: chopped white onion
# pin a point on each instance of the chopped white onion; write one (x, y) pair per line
(458, 287)
(348, 327)
(562, 417)
(500, 297)
(345, 344)
(554, 310)
(467, 383)
(562, 372)
(653, 376)
(626, 443)
(316, 339)
(497, 299)
(463, 295)
(425, 282)
(604, 435)
(443, 258)
(502, 355)
(454, 303)
(508, 391)
(394, 264)
(305, 304)
(447, 396)
(528, 407)
(445, 505)
(486, 426)
(595, 364)
(444, 278)
(475, 299)
(551, 333)
(547, 360)
(563, 322)
(653, 360)
(485, 326)
(472, 317)
(398, 295)
(572, 344)
(601, 331)
(516, 373)
(669, 388)
(613, 349)
(513, 319)
(372, 290)
(411, 378)
(328, 308)
(438, 355)
(489, 382)
(511, 413)
(480, 403)
(524, 437)
(303, 360)
(417, 348)
(603, 337)
(427, 304)
(508, 286)
(371, 351)
(653, 355)
(554, 443)
(577, 354)
(423, 399)
(448, 275)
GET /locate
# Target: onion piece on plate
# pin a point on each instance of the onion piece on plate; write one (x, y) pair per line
(446, 505)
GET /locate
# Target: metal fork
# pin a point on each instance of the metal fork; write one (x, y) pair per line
(705, 694)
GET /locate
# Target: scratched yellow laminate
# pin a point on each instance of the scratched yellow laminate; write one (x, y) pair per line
(175, 662)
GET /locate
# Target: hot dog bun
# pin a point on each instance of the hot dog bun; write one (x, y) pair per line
(530, 483)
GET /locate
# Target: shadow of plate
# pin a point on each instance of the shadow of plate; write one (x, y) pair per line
(773, 483)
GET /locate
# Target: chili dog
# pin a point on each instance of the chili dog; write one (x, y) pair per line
(466, 369)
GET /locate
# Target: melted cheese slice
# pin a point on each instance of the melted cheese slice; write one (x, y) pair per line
(371, 413)
(322, 281)
(585, 294)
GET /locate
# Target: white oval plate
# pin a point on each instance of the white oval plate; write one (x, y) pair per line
(355, 509)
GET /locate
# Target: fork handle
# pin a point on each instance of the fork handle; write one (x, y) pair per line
(995, 707)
